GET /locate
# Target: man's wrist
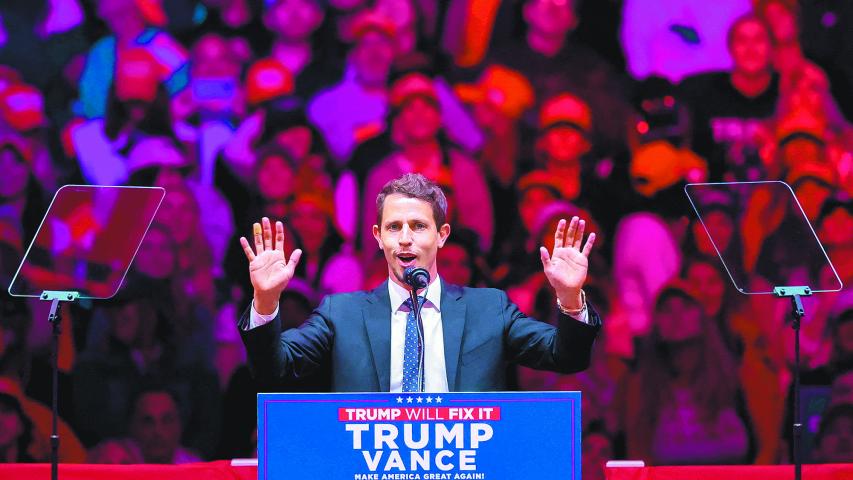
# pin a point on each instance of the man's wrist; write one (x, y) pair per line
(265, 306)
(576, 306)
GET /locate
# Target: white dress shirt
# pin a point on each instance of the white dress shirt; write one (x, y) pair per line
(435, 374)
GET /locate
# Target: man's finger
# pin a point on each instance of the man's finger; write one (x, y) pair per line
(570, 233)
(544, 256)
(247, 249)
(294, 261)
(579, 235)
(559, 234)
(265, 222)
(279, 236)
(588, 247)
(257, 234)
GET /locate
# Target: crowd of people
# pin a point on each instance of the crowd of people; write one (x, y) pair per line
(525, 112)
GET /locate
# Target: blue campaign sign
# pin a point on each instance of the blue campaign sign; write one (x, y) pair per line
(385, 436)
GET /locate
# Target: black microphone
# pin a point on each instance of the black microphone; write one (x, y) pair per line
(416, 277)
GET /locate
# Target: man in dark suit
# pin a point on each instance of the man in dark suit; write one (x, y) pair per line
(374, 341)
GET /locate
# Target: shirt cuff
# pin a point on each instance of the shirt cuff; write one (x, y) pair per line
(258, 320)
(581, 317)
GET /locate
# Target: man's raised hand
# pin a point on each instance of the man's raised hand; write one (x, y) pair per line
(268, 270)
(566, 267)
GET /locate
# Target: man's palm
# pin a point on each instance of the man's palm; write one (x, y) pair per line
(269, 271)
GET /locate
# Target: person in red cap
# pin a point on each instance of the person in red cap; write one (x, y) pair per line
(22, 111)
(417, 131)
(554, 63)
(354, 109)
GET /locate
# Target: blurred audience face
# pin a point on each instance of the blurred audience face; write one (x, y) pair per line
(276, 178)
(156, 427)
(311, 223)
(551, 18)
(800, 150)
(721, 228)
(563, 146)
(372, 58)
(706, 278)
(156, 257)
(16, 173)
(179, 215)
(125, 323)
(679, 323)
(750, 47)
(294, 20)
(419, 121)
(297, 141)
(491, 120)
(454, 264)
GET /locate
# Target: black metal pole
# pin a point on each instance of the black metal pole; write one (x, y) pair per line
(797, 314)
(54, 319)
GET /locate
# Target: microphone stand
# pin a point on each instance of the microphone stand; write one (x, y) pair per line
(417, 306)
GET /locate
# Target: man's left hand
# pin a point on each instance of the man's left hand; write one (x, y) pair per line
(567, 265)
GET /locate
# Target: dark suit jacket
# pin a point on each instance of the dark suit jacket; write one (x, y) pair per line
(483, 331)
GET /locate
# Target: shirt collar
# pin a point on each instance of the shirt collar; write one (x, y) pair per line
(399, 295)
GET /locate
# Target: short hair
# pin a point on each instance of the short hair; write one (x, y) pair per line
(415, 185)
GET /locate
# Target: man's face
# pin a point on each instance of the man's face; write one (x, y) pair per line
(156, 426)
(409, 236)
(419, 121)
(372, 58)
(750, 48)
(550, 17)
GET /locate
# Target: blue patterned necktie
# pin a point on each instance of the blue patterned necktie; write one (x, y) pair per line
(412, 351)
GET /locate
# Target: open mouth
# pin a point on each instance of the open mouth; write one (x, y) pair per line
(407, 259)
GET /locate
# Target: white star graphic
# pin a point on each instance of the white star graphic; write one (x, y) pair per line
(437, 399)
(429, 399)
(409, 400)
(420, 400)
(399, 399)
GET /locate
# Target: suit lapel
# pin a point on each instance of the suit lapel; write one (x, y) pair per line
(452, 326)
(377, 324)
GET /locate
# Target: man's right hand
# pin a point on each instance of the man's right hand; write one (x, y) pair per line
(268, 270)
